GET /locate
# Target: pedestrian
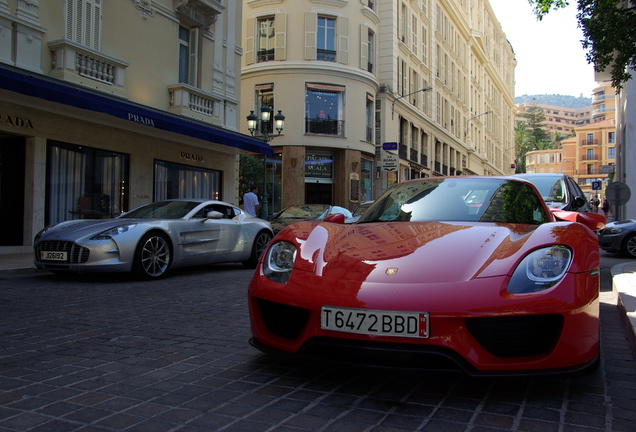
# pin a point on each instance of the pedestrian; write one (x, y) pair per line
(605, 207)
(250, 201)
(595, 203)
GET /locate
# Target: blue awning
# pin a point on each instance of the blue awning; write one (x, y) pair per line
(54, 90)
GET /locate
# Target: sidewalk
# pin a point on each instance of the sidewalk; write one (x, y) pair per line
(623, 283)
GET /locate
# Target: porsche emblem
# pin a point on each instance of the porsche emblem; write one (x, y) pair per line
(391, 271)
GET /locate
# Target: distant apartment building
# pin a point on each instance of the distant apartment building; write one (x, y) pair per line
(107, 105)
(376, 92)
(590, 155)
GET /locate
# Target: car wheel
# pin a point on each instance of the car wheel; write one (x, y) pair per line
(629, 246)
(258, 247)
(152, 256)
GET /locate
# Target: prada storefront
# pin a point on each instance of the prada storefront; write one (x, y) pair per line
(68, 152)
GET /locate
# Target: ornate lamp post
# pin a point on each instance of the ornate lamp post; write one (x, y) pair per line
(260, 127)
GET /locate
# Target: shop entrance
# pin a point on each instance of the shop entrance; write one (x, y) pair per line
(318, 193)
(12, 157)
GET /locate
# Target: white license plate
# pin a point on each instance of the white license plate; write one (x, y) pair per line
(375, 322)
(52, 256)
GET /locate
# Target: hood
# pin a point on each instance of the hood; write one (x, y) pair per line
(434, 252)
(74, 229)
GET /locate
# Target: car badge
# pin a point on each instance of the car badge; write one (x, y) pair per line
(391, 271)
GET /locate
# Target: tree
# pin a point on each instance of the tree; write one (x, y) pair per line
(608, 31)
(530, 135)
(250, 172)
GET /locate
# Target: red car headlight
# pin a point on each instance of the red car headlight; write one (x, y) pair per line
(540, 270)
(279, 261)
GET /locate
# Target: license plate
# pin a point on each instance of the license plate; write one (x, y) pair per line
(375, 322)
(52, 256)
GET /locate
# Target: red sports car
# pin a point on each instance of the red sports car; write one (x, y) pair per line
(458, 273)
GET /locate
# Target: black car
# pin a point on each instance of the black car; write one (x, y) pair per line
(559, 191)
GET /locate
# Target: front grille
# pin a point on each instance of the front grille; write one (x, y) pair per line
(282, 320)
(76, 254)
(516, 336)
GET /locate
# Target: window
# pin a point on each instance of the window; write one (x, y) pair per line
(424, 45)
(174, 180)
(326, 38)
(265, 96)
(266, 35)
(85, 183)
(324, 107)
(590, 154)
(370, 115)
(188, 55)
(590, 139)
(83, 22)
(610, 153)
(370, 51)
(611, 137)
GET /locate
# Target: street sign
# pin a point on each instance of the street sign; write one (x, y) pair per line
(389, 146)
(596, 185)
(618, 193)
(606, 169)
(390, 161)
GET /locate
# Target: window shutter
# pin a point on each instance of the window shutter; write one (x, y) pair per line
(343, 40)
(311, 27)
(364, 47)
(280, 40)
(250, 50)
(194, 57)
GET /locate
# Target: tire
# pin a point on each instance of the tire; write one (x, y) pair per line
(153, 256)
(629, 246)
(261, 241)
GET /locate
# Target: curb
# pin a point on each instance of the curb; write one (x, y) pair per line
(624, 283)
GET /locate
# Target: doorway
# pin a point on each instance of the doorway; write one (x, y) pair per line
(318, 193)
(12, 159)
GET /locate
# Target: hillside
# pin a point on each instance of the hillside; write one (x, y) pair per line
(564, 101)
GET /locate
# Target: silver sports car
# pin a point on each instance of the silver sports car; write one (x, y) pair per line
(153, 238)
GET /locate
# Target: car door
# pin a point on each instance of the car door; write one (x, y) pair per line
(212, 236)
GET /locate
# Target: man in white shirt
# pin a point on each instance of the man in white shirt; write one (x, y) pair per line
(250, 201)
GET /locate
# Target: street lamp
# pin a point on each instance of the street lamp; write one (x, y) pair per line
(264, 135)
(403, 96)
(266, 115)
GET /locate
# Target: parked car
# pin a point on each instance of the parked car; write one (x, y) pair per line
(559, 191)
(153, 238)
(461, 273)
(359, 211)
(619, 237)
(303, 212)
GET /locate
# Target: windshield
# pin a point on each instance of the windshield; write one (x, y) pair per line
(551, 188)
(161, 210)
(469, 199)
(305, 212)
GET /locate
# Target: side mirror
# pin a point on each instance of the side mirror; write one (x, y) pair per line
(579, 202)
(213, 215)
(338, 218)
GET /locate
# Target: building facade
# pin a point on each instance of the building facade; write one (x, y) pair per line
(108, 105)
(377, 92)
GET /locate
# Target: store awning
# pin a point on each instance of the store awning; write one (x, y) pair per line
(53, 90)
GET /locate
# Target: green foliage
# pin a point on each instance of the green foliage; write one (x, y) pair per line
(565, 101)
(250, 172)
(608, 30)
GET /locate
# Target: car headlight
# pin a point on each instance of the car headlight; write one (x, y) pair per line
(279, 261)
(112, 232)
(540, 270)
(613, 230)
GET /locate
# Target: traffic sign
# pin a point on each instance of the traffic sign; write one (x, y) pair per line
(389, 146)
(618, 193)
(390, 161)
(596, 185)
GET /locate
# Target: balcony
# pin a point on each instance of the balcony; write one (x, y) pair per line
(77, 63)
(324, 127)
(191, 101)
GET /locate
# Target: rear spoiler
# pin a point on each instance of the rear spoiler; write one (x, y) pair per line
(593, 221)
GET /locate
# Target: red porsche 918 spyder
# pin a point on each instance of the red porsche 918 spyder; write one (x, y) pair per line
(458, 273)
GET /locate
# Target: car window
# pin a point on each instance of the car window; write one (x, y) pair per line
(309, 211)
(162, 210)
(470, 199)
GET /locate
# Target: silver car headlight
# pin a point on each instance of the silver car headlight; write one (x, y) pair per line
(540, 270)
(612, 231)
(112, 232)
(279, 261)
